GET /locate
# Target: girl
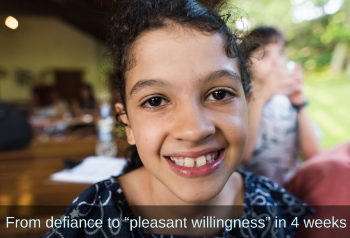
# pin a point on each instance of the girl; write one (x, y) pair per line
(278, 121)
(183, 84)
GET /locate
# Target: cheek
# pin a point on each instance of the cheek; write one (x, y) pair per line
(259, 67)
(234, 125)
(238, 130)
(266, 64)
(149, 135)
(283, 60)
(237, 137)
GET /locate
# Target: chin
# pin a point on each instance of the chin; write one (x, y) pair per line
(197, 193)
(196, 198)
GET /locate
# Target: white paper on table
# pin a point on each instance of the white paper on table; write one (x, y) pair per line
(92, 170)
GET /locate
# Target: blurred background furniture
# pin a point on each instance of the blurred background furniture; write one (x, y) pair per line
(323, 182)
(24, 179)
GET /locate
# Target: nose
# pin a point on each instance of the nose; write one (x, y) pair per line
(192, 123)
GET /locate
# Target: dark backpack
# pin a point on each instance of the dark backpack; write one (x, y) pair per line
(15, 131)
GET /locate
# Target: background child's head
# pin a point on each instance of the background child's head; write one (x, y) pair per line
(267, 51)
(86, 93)
(183, 81)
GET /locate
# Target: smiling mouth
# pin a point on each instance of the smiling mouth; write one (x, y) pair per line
(195, 162)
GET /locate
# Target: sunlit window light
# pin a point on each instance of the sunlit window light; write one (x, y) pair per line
(11, 22)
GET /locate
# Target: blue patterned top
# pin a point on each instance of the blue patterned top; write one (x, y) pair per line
(106, 199)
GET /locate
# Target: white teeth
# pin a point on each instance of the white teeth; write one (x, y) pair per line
(189, 162)
(181, 161)
(195, 162)
(208, 157)
(200, 161)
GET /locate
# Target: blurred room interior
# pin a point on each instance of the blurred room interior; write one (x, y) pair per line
(54, 67)
(50, 50)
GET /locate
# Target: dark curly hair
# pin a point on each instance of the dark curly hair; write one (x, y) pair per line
(263, 35)
(133, 18)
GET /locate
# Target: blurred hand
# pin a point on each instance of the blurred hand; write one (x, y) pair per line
(295, 94)
(264, 88)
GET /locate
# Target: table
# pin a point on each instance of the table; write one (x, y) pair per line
(24, 178)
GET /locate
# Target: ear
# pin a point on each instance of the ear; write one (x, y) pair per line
(249, 98)
(124, 118)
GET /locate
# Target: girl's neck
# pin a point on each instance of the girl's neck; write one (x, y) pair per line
(142, 188)
(231, 194)
(151, 199)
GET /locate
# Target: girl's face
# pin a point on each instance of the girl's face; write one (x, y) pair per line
(187, 111)
(267, 59)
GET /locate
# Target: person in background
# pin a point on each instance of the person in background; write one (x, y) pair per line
(60, 106)
(279, 126)
(42, 96)
(85, 103)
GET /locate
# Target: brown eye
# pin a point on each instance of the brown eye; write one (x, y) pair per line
(220, 95)
(154, 102)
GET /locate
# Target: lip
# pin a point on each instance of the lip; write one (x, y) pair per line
(194, 172)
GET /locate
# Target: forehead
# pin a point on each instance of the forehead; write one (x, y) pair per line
(275, 42)
(177, 53)
(278, 44)
(273, 47)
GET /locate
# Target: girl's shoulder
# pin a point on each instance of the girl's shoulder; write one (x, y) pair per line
(266, 200)
(106, 192)
(269, 192)
(261, 191)
(97, 212)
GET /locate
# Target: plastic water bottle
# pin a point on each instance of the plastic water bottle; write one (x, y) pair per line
(106, 145)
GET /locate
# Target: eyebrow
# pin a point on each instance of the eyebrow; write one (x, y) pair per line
(209, 77)
(220, 74)
(147, 83)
